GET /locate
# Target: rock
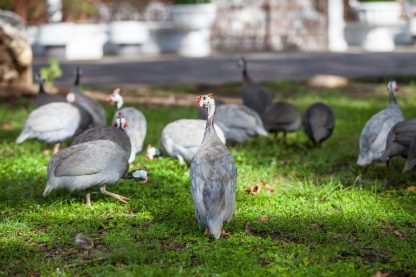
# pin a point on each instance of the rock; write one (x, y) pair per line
(15, 51)
(328, 81)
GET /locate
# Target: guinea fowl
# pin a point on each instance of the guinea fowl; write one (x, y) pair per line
(116, 134)
(137, 123)
(239, 123)
(203, 113)
(182, 138)
(98, 115)
(318, 122)
(87, 165)
(43, 98)
(213, 177)
(54, 123)
(374, 134)
(399, 139)
(411, 157)
(282, 117)
(254, 96)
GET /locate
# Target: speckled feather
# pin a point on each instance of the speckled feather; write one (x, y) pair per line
(54, 122)
(239, 123)
(182, 138)
(114, 134)
(85, 165)
(136, 129)
(282, 116)
(318, 122)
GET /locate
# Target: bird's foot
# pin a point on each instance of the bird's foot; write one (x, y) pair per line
(88, 200)
(116, 196)
(56, 148)
(206, 232)
(224, 233)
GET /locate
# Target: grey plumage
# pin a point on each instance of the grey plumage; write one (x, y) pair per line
(254, 96)
(373, 137)
(318, 122)
(399, 139)
(213, 178)
(54, 122)
(411, 157)
(137, 124)
(43, 98)
(282, 117)
(112, 133)
(239, 123)
(95, 110)
(86, 165)
(182, 138)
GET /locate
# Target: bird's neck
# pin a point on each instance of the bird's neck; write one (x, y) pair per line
(246, 76)
(210, 119)
(393, 99)
(77, 78)
(41, 88)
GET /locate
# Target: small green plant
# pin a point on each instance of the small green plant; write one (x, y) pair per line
(52, 72)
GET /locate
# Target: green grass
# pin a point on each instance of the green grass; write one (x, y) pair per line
(325, 217)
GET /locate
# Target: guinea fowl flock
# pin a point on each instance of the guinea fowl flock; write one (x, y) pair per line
(100, 155)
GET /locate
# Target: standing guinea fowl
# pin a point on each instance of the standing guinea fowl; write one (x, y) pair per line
(282, 117)
(239, 123)
(137, 123)
(43, 98)
(86, 165)
(98, 115)
(254, 96)
(54, 123)
(318, 122)
(116, 134)
(374, 134)
(399, 139)
(182, 138)
(213, 177)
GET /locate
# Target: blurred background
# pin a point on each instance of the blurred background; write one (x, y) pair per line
(120, 30)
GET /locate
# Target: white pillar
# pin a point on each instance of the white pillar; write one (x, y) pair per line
(54, 10)
(336, 24)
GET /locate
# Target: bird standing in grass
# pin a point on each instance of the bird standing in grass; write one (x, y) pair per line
(213, 177)
(318, 122)
(374, 134)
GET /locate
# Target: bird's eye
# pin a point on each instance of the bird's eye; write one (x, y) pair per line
(204, 98)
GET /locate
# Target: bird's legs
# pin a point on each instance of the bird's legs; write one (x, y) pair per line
(206, 232)
(387, 166)
(284, 137)
(88, 199)
(224, 233)
(56, 148)
(118, 197)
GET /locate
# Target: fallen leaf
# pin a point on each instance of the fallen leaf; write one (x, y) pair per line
(255, 189)
(7, 126)
(247, 228)
(46, 152)
(269, 188)
(263, 218)
(314, 226)
(412, 188)
(399, 233)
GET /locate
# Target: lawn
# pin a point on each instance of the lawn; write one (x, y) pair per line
(326, 217)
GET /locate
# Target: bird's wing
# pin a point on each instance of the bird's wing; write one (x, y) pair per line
(53, 116)
(83, 159)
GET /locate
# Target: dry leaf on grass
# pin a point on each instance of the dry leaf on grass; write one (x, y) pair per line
(7, 126)
(412, 188)
(255, 189)
(83, 241)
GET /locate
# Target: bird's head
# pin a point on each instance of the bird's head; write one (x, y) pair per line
(205, 100)
(71, 98)
(115, 98)
(393, 86)
(241, 63)
(152, 152)
(120, 121)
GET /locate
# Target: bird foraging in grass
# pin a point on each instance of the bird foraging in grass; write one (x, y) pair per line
(213, 177)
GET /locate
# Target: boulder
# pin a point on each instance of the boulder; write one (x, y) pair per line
(15, 51)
